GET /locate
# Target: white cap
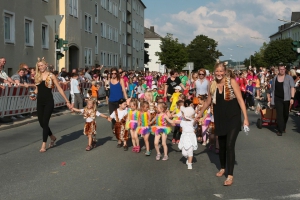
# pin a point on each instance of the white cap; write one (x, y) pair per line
(298, 71)
(153, 83)
(188, 112)
(177, 87)
(154, 87)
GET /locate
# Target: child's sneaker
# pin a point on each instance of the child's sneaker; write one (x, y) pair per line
(137, 149)
(134, 149)
(148, 153)
(190, 166)
(187, 162)
(173, 141)
(204, 143)
(165, 158)
(157, 157)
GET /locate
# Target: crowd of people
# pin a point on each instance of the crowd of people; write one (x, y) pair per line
(200, 107)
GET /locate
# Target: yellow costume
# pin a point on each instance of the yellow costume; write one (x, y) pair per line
(174, 100)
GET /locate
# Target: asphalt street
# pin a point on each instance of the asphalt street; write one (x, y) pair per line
(267, 166)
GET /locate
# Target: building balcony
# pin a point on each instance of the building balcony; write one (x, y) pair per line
(129, 50)
(128, 28)
(128, 7)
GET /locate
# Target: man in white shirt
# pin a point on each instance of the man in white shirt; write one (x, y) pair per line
(78, 102)
(3, 76)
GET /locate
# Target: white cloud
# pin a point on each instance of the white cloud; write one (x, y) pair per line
(230, 22)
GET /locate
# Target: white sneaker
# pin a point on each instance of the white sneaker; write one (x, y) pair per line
(13, 118)
(207, 141)
(204, 143)
(187, 162)
(20, 116)
(190, 166)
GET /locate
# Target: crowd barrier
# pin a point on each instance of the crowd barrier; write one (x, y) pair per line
(15, 100)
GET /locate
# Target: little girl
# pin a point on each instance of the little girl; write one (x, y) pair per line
(89, 114)
(149, 98)
(175, 97)
(204, 121)
(132, 124)
(144, 128)
(176, 114)
(188, 141)
(119, 130)
(161, 130)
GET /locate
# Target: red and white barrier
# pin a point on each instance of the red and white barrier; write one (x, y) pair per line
(15, 100)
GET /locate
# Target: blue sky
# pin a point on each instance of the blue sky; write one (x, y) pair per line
(229, 22)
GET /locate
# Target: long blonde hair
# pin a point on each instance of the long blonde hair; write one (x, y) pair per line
(149, 96)
(38, 76)
(213, 85)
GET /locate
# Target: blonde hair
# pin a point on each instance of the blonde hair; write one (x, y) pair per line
(213, 85)
(93, 100)
(93, 82)
(38, 76)
(149, 96)
(163, 105)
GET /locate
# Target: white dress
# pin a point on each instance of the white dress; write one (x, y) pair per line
(188, 137)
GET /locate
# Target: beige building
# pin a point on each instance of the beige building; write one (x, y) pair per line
(108, 32)
(289, 29)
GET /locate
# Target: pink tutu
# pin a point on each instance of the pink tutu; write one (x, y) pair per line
(143, 130)
(132, 124)
(158, 130)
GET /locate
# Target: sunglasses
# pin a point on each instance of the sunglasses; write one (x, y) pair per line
(113, 73)
(201, 74)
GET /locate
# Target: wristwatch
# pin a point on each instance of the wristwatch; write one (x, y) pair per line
(292, 98)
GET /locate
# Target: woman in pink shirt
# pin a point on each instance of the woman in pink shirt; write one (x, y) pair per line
(148, 79)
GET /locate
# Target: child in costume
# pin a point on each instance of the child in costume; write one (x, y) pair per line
(89, 114)
(174, 97)
(176, 114)
(161, 130)
(149, 98)
(204, 120)
(154, 92)
(188, 140)
(144, 128)
(132, 124)
(120, 116)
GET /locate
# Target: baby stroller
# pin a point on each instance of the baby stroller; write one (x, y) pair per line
(267, 116)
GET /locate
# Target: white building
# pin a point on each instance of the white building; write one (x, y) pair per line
(288, 30)
(153, 39)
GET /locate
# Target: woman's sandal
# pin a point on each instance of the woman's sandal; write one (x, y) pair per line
(52, 143)
(88, 148)
(228, 181)
(43, 150)
(220, 173)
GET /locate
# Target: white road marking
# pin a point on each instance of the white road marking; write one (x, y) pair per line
(292, 196)
(219, 195)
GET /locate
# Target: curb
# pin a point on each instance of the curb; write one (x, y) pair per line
(6, 126)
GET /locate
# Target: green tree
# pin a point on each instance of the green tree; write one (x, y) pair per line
(202, 51)
(280, 51)
(173, 54)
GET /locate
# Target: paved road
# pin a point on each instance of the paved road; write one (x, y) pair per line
(267, 166)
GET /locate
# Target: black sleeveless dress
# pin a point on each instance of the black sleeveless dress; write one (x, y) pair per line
(227, 115)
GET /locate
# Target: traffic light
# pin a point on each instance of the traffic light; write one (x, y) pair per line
(146, 57)
(60, 47)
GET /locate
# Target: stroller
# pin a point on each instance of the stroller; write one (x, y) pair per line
(267, 116)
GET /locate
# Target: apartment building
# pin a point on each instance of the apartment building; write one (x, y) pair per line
(289, 29)
(25, 33)
(99, 32)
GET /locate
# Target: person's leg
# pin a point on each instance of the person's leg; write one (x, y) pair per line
(112, 106)
(230, 150)
(133, 140)
(164, 144)
(286, 112)
(279, 114)
(79, 101)
(190, 155)
(146, 140)
(40, 114)
(222, 151)
(156, 144)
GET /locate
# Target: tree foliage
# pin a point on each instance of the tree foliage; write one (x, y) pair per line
(173, 54)
(280, 51)
(202, 51)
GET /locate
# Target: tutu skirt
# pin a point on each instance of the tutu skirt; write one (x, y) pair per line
(132, 124)
(143, 130)
(158, 130)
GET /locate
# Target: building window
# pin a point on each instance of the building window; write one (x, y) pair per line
(9, 27)
(107, 31)
(45, 36)
(87, 23)
(96, 13)
(29, 37)
(87, 56)
(73, 8)
(96, 44)
(103, 30)
(110, 7)
(124, 16)
(102, 2)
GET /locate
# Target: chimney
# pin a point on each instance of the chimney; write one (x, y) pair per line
(152, 29)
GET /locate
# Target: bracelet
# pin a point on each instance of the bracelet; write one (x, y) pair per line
(292, 98)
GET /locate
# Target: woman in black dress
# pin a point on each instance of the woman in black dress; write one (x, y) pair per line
(45, 81)
(228, 103)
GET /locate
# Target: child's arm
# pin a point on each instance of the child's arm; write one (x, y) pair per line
(76, 110)
(170, 121)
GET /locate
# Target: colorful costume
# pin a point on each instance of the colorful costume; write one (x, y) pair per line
(161, 125)
(144, 129)
(119, 128)
(90, 124)
(174, 99)
(132, 120)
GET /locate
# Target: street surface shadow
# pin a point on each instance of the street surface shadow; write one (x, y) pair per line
(102, 141)
(296, 123)
(69, 137)
(183, 159)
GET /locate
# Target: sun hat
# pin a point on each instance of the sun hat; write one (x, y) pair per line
(177, 87)
(188, 112)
